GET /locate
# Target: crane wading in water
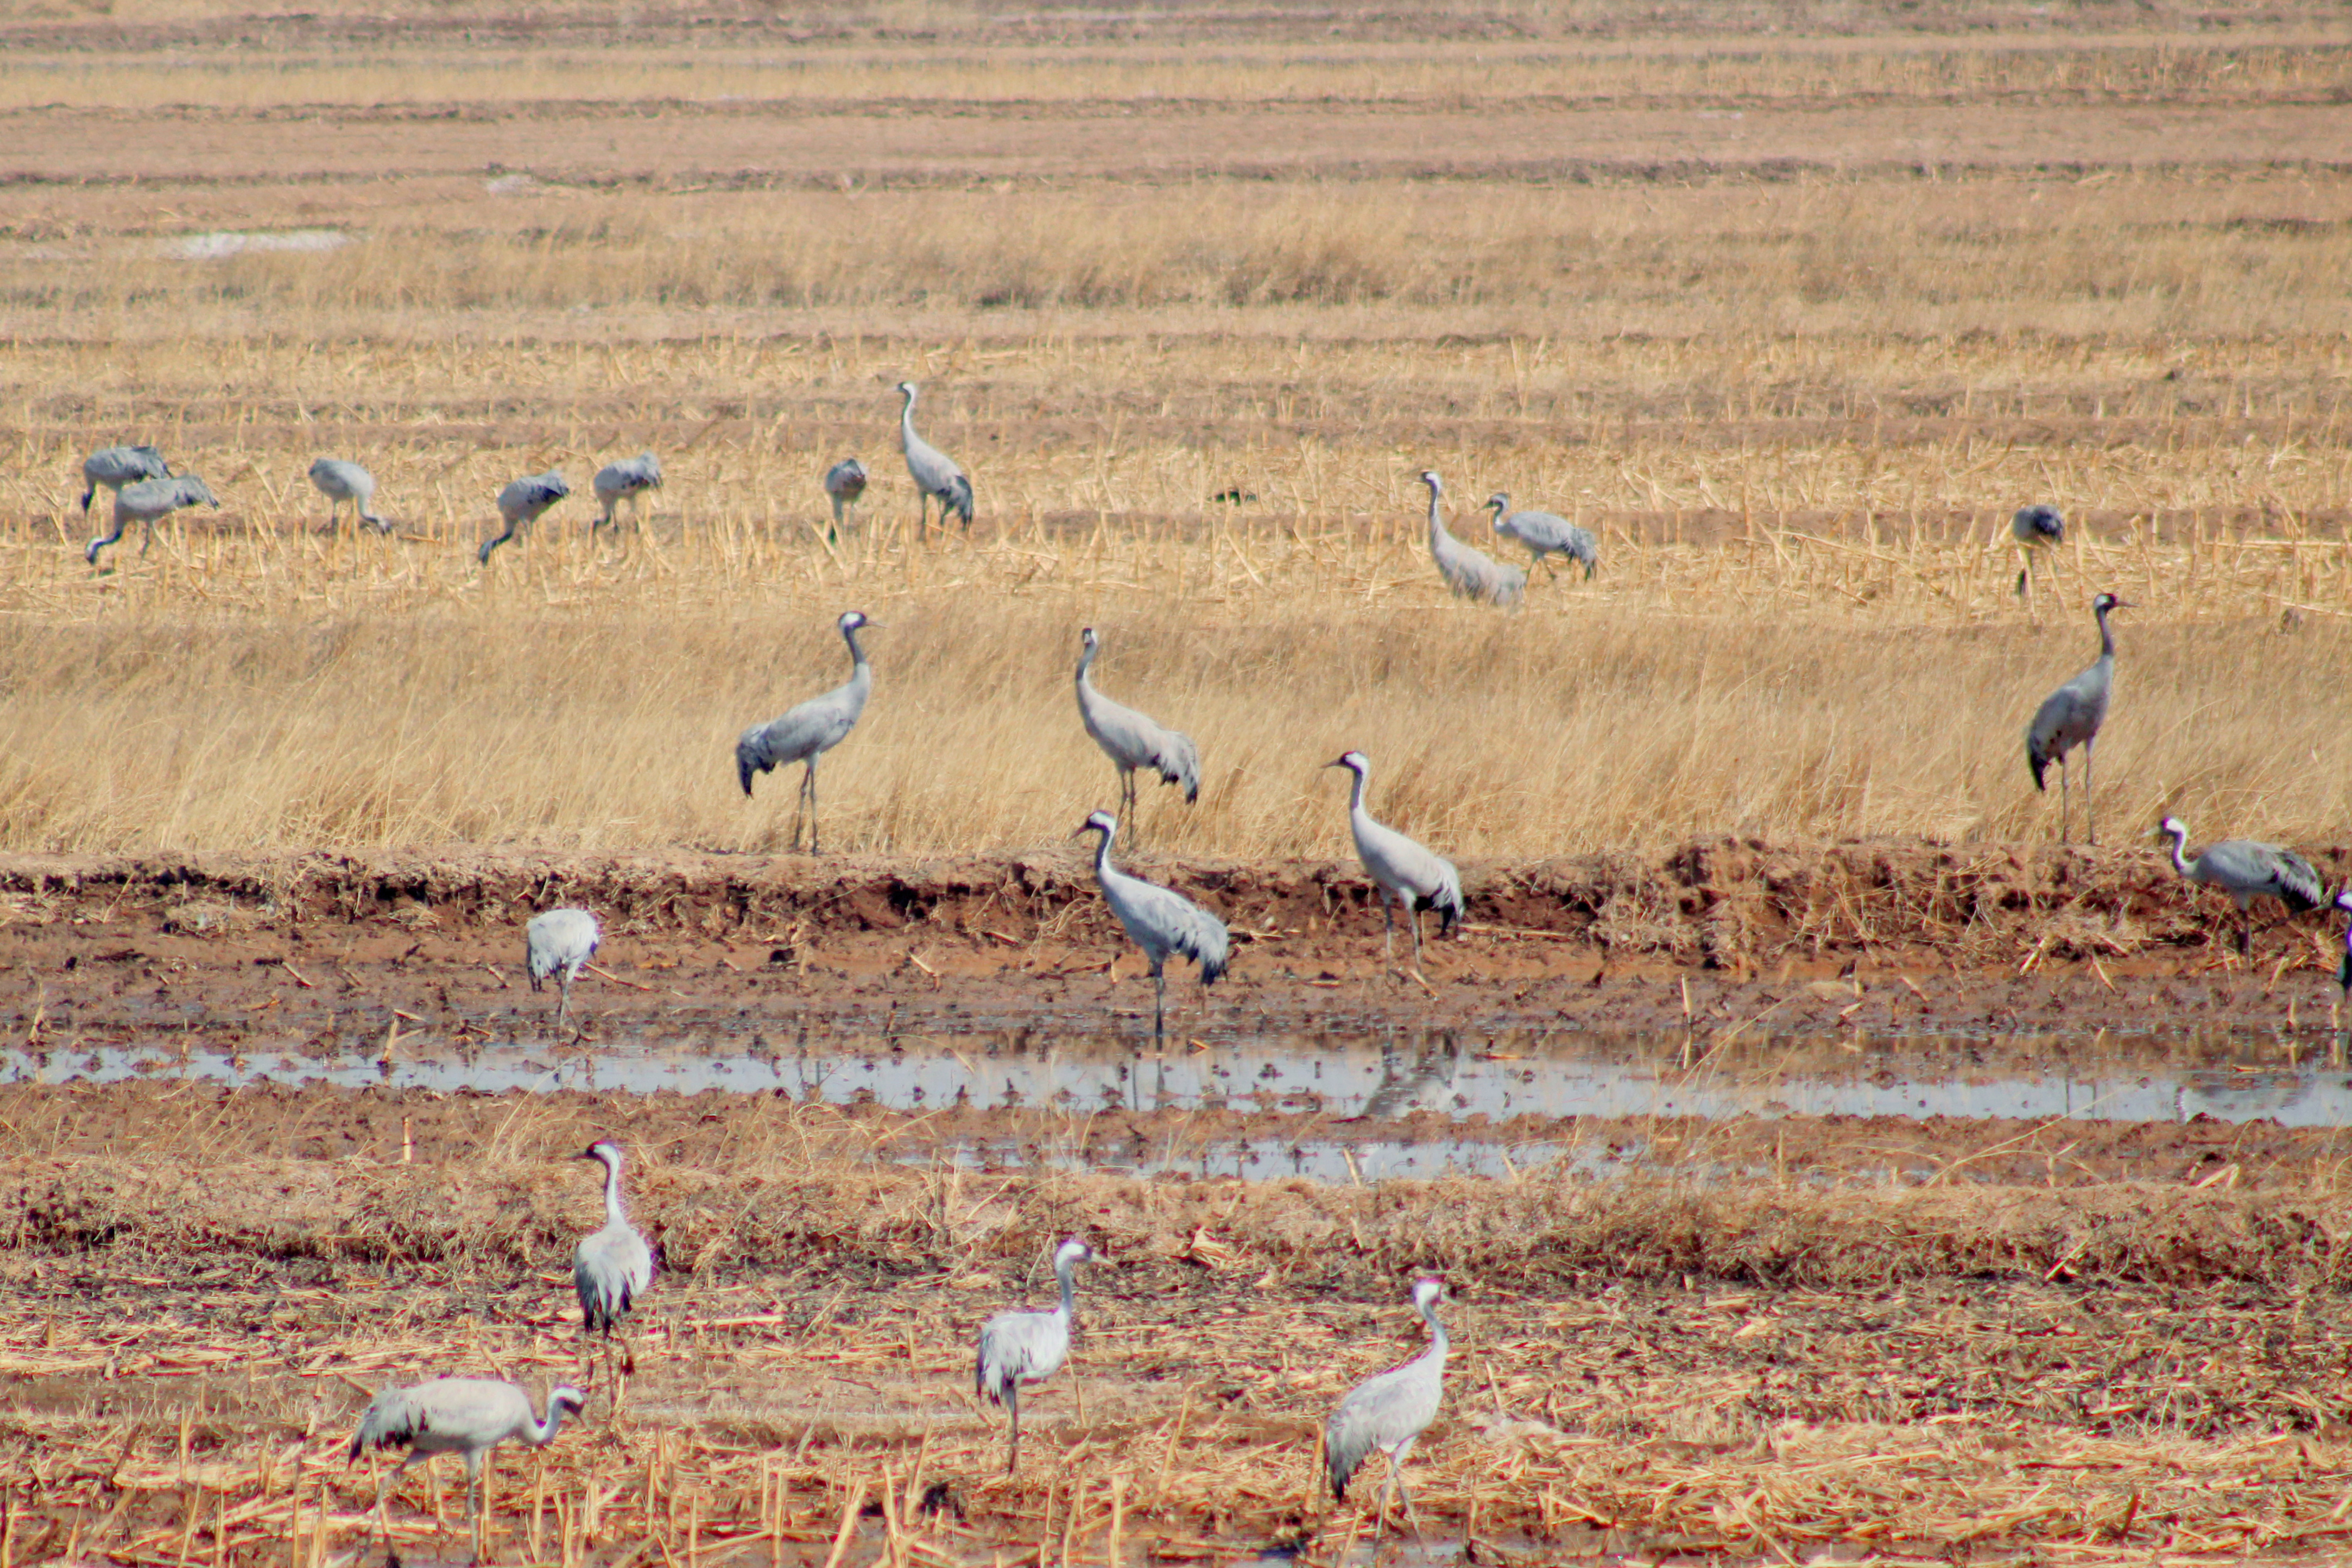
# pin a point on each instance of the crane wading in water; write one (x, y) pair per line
(1389, 1412)
(468, 1416)
(560, 943)
(1160, 920)
(2247, 869)
(1399, 867)
(1028, 1347)
(1131, 740)
(809, 730)
(2070, 717)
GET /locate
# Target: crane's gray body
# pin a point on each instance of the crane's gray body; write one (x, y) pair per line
(520, 504)
(615, 1266)
(2247, 869)
(1160, 920)
(2035, 528)
(339, 481)
(844, 482)
(1132, 740)
(809, 730)
(560, 943)
(1028, 1347)
(1389, 1412)
(936, 475)
(467, 1415)
(2343, 967)
(1400, 868)
(149, 502)
(1546, 534)
(628, 480)
(2070, 717)
(1472, 574)
(115, 467)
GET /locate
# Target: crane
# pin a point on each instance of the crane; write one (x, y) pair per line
(521, 502)
(2246, 871)
(615, 1266)
(468, 1416)
(150, 500)
(342, 481)
(2035, 528)
(936, 475)
(560, 943)
(843, 483)
(628, 480)
(2070, 717)
(1162, 921)
(1390, 1413)
(1545, 534)
(2343, 967)
(809, 730)
(1131, 740)
(1028, 1347)
(115, 467)
(1471, 574)
(1400, 868)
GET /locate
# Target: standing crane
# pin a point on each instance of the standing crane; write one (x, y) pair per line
(2343, 967)
(1131, 740)
(1470, 573)
(521, 502)
(560, 943)
(1400, 868)
(1546, 534)
(115, 467)
(468, 1416)
(2070, 717)
(936, 475)
(843, 483)
(342, 481)
(628, 480)
(809, 730)
(1162, 921)
(2246, 871)
(2035, 528)
(1390, 1413)
(1028, 1347)
(612, 1267)
(150, 501)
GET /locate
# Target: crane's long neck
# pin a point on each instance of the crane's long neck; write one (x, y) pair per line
(907, 437)
(1437, 522)
(1103, 872)
(1085, 659)
(1356, 793)
(540, 1433)
(2107, 637)
(612, 1214)
(1437, 1340)
(856, 653)
(1062, 1270)
(2180, 844)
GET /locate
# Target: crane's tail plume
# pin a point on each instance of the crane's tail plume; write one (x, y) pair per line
(956, 496)
(1180, 763)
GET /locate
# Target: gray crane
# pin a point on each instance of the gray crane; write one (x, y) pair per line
(2343, 967)
(560, 943)
(628, 480)
(1546, 534)
(1400, 868)
(520, 504)
(2246, 871)
(844, 482)
(1390, 1413)
(342, 481)
(615, 1266)
(1470, 573)
(150, 501)
(811, 730)
(1162, 921)
(468, 1416)
(1028, 1347)
(2070, 717)
(1131, 740)
(115, 467)
(2035, 528)
(936, 475)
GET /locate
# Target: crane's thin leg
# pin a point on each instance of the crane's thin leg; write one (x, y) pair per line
(2246, 931)
(2090, 801)
(564, 999)
(1158, 1002)
(2062, 801)
(1012, 1409)
(1388, 929)
(1412, 913)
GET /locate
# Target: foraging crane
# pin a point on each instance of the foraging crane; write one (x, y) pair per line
(2343, 968)
(2035, 528)
(468, 1416)
(1470, 573)
(809, 730)
(1545, 534)
(150, 500)
(1390, 1413)
(521, 502)
(628, 480)
(2070, 717)
(115, 467)
(936, 475)
(342, 481)
(1400, 868)
(1131, 740)
(1160, 920)
(2247, 870)
(615, 1266)
(560, 943)
(843, 483)
(1028, 1347)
